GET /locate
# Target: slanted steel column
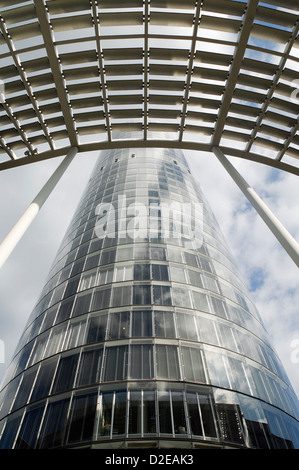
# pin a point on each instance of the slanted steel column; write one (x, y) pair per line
(282, 235)
(16, 233)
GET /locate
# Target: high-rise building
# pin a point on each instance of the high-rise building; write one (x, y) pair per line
(144, 334)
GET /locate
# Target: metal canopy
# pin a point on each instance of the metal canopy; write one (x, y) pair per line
(162, 73)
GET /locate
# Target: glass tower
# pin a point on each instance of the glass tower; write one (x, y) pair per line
(144, 334)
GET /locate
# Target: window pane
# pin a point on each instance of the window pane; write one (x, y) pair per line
(116, 365)
(44, 380)
(97, 329)
(142, 361)
(162, 295)
(101, 299)
(177, 274)
(178, 409)
(11, 428)
(119, 325)
(194, 414)
(218, 307)
(206, 330)
(105, 420)
(229, 423)
(158, 253)
(167, 362)
(186, 326)
(141, 324)
(30, 426)
(200, 301)
(164, 324)
(149, 413)
(90, 367)
(217, 369)
(195, 278)
(82, 417)
(181, 297)
(65, 374)
(160, 272)
(74, 336)
(119, 420)
(207, 416)
(141, 272)
(164, 413)
(25, 388)
(82, 304)
(193, 365)
(54, 424)
(121, 296)
(142, 295)
(135, 411)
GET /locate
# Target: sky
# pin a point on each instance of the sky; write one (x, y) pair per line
(267, 270)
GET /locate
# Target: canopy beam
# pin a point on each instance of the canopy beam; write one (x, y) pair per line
(16, 233)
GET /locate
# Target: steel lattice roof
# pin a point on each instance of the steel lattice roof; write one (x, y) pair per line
(175, 73)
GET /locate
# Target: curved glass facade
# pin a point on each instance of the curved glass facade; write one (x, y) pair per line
(144, 334)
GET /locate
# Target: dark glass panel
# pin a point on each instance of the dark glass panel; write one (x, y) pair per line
(135, 412)
(141, 323)
(121, 296)
(165, 423)
(44, 380)
(141, 295)
(101, 299)
(54, 425)
(71, 288)
(229, 423)
(194, 415)
(142, 366)
(105, 420)
(160, 272)
(90, 367)
(11, 428)
(149, 412)
(119, 326)
(82, 417)
(141, 272)
(64, 311)
(82, 304)
(30, 426)
(65, 374)
(9, 395)
(178, 411)
(207, 416)
(116, 364)
(25, 388)
(96, 329)
(162, 295)
(49, 318)
(119, 419)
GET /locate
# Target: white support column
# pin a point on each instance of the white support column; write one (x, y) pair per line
(282, 235)
(13, 237)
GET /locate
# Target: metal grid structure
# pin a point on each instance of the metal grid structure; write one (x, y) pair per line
(184, 74)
